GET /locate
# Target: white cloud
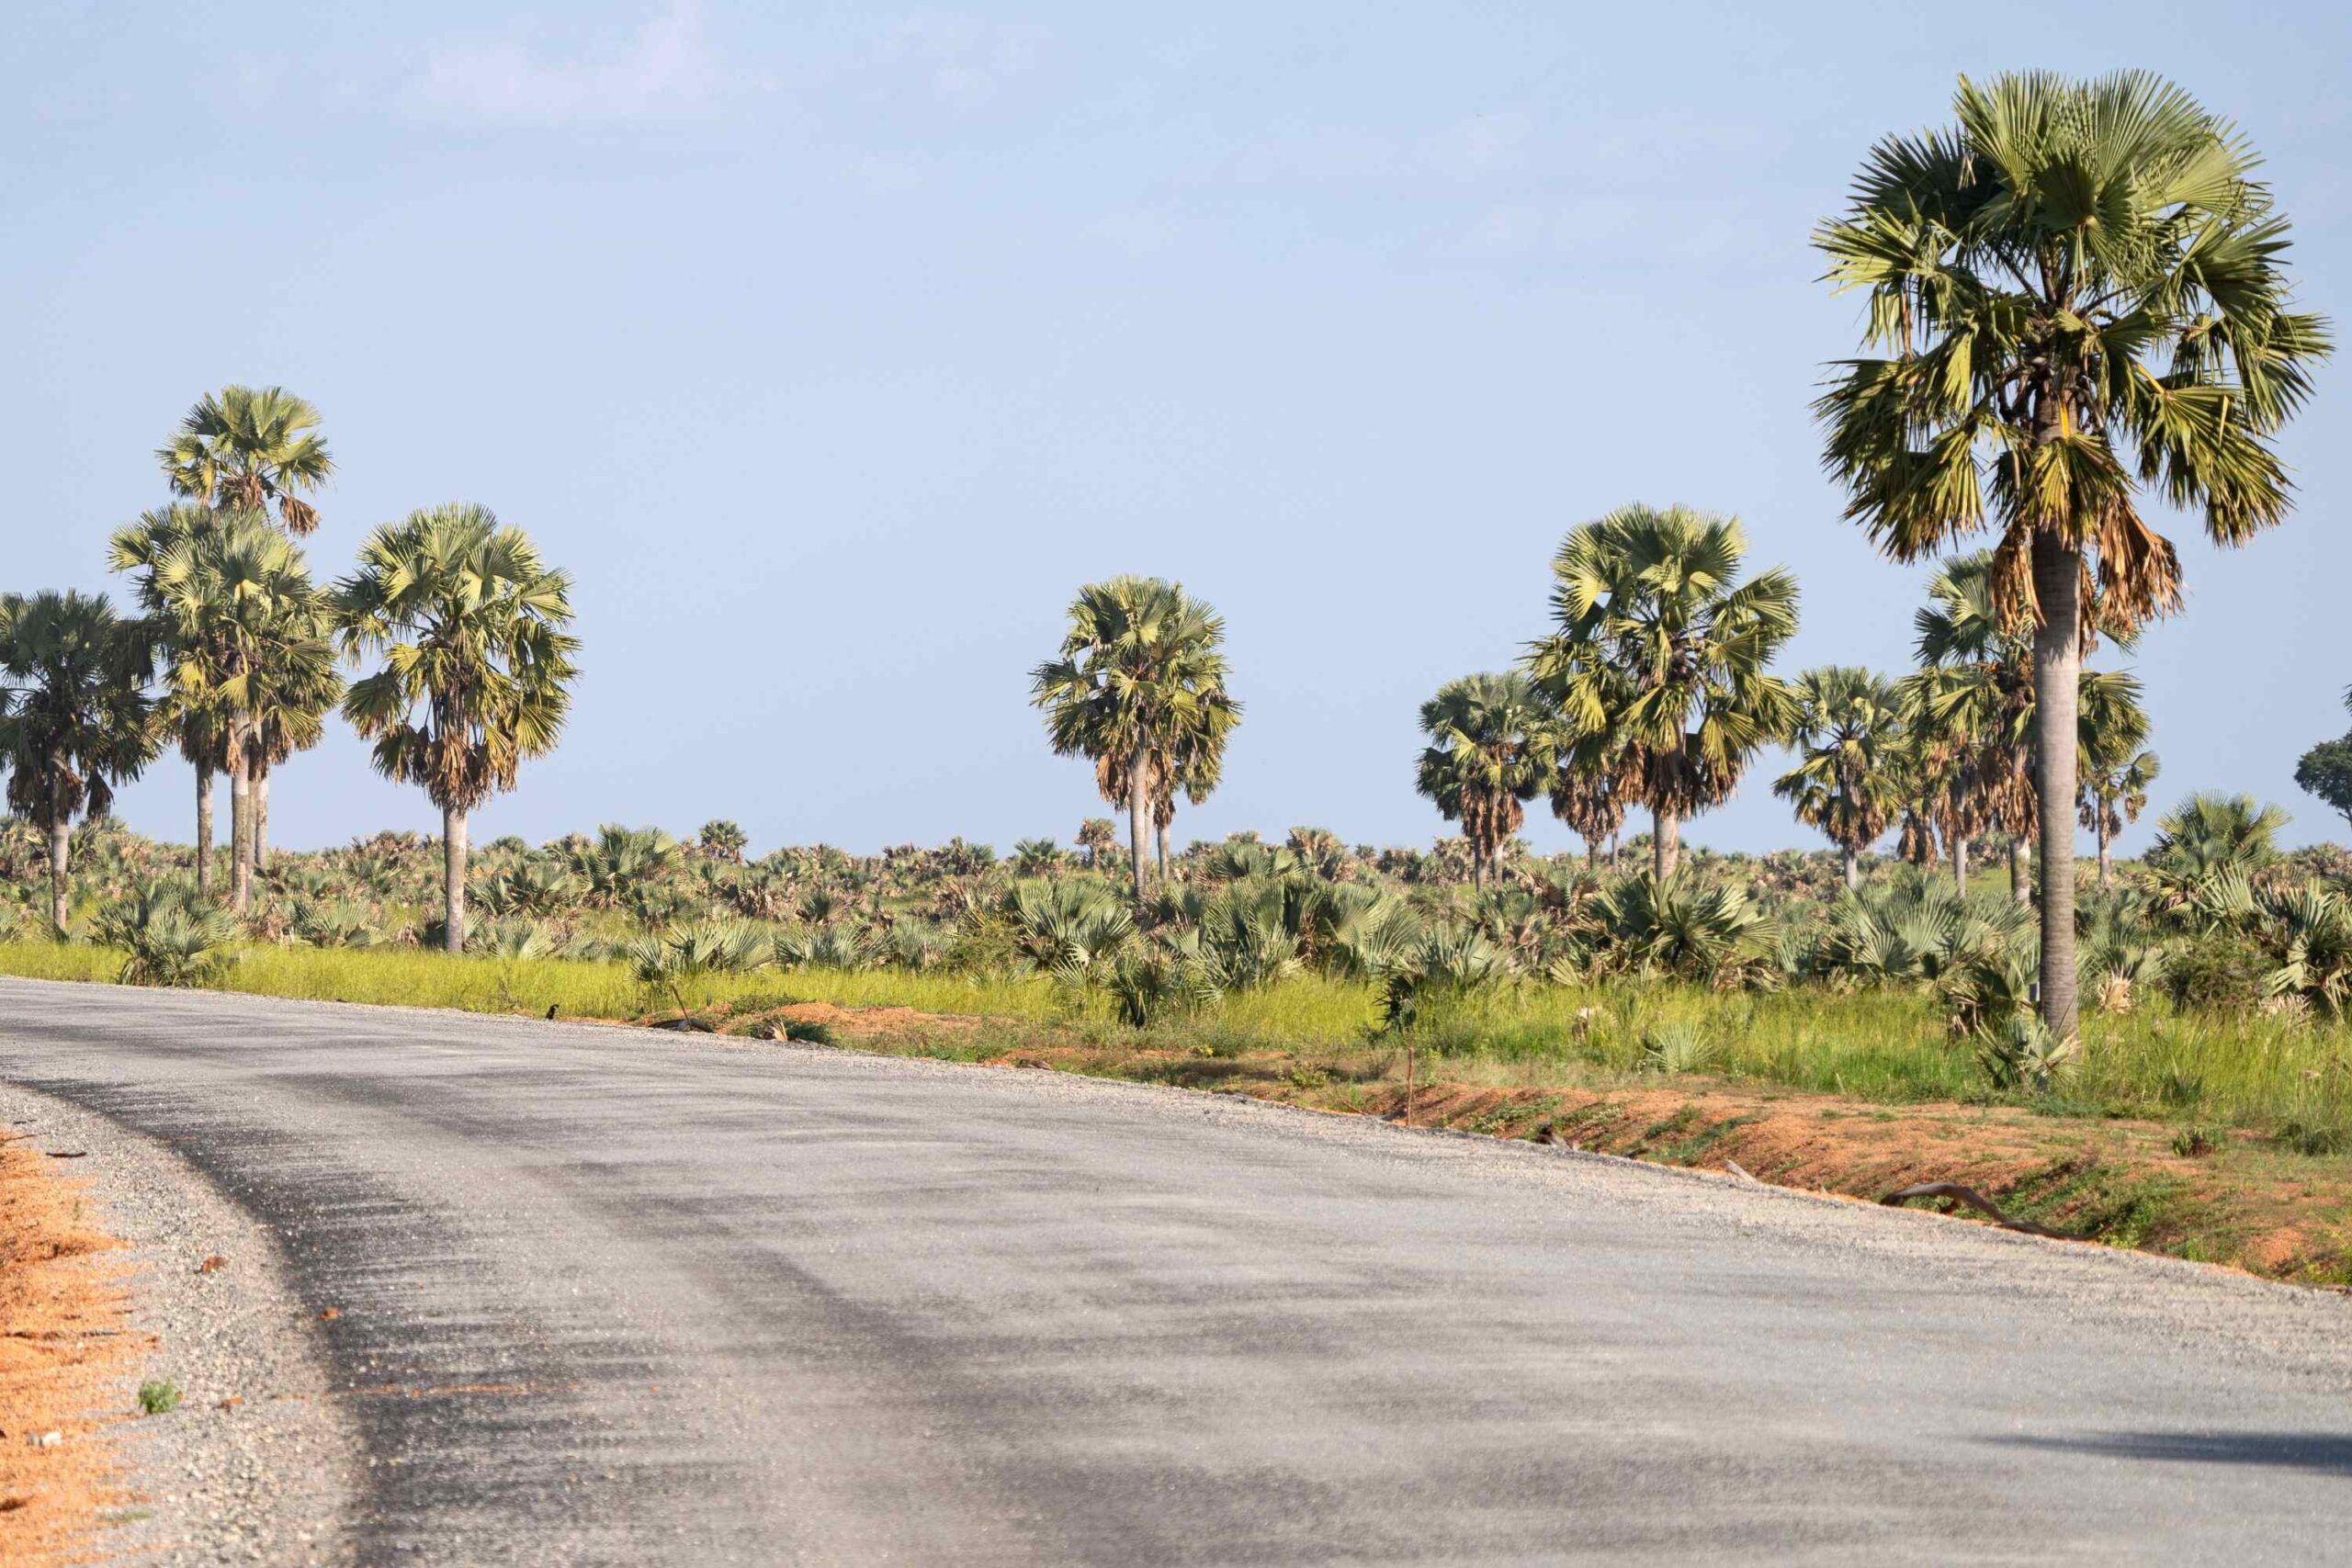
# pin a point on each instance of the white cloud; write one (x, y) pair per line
(665, 70)
(968, 61)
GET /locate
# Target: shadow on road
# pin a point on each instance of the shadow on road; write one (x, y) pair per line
(2329, 1453)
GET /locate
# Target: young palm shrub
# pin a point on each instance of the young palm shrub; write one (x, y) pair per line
(1444, 965)
(2020, 1052)
(323, 922)
(821, 947)
(919, 947)
(1065, 927)
(683, 961)
(517, 940)
(169, 936)
(1714, 934)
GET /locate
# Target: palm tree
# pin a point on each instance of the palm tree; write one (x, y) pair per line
(243, 449)
(1139, 688)
(248, 634)
(73, 716)
(2078, 293)
(1974, 699)
(478, 665)
(1848, 781)
(1492, 747)
(723, 840)
(1659, 659)
(185, 712)
(2115, 791)
(1094, 835)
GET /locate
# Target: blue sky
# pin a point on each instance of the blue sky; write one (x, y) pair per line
(832, 347)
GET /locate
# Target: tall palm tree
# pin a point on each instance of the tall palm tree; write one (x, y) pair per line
(1660, 658)
(245, 450)
(478, 665)
(1141, 678)
(2078, 293)
(73, 716)
(1848, 781)
(1492, 747)
(185, 711)
(250, 637)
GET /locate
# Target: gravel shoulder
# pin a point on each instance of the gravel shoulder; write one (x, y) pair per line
(258, 1463)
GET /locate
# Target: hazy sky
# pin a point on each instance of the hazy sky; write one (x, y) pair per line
(832, 347)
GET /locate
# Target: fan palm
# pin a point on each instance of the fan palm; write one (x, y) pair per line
(478, 665)
(2210, 834)
(1140, 689)
(1846, 782)
(1659, 662)
(183, 713)
(245, 449)
(2112, 770)
(2077, 293)
(1492, 747)
(1974, 703)
(239, 604)
(74, 715)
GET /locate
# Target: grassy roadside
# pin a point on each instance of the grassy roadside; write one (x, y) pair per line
(2213, 1139)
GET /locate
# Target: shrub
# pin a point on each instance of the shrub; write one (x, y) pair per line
(2217, 972)
(169, 938)
(159, 1396)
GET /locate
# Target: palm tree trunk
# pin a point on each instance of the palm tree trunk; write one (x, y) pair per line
(204, 830)
(2057, 677)
(453, 879)
(240, 826)
(61, 848)
(2105, 865)
(1139, 818)
(1959, 844)
(1666, 844)
(261, 819)
(2020, 869)
(1161, 828)
(1850, 864)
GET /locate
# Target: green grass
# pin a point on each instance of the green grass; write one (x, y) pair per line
(1888, 1047)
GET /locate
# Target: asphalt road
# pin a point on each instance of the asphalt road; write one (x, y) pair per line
(680, 1301)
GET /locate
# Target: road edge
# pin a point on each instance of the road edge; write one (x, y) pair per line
(259, 1463)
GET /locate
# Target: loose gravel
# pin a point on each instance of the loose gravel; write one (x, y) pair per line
(257, 1464)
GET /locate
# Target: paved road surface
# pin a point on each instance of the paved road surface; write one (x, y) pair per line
(754, 1304)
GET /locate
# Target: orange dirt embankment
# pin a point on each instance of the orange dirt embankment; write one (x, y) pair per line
(2245, 1204)
(65, 1345)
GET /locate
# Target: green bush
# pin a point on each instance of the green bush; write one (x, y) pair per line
(2217, 972)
